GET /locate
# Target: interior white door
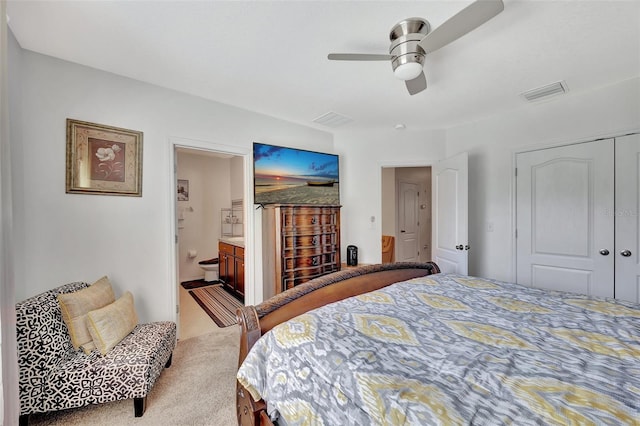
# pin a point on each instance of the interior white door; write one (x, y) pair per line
(627, 251)
(565, 218)
(408, 222)
(449, 194)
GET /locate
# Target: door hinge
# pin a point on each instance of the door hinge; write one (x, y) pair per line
(516, 233)
(516, 172)
(177, 309)
(176, 239)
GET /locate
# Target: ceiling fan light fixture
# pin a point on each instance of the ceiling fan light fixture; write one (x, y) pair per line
(408, 70)
(412, 38)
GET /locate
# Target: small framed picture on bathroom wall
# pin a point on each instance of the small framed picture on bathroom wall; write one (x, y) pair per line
(103, 160)
(183, 190)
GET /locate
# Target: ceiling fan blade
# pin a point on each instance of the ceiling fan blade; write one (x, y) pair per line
(357, 57)
(417, 85)
(468, 19)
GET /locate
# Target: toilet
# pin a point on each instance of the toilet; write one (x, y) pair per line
(210, 268)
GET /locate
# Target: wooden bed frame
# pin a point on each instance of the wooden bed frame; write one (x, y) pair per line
(257, 320)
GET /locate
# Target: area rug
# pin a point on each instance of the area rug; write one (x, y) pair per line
(220, 305)
(190, 285)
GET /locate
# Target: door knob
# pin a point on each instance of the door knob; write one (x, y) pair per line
(460, 247)
(625, 253)
(604, 252)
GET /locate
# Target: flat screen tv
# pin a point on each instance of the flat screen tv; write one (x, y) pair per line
(294, 176)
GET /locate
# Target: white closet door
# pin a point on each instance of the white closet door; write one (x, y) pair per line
(565, 220)
(627, 253)
(449, 191)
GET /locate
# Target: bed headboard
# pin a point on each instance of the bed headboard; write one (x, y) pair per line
(257, 320)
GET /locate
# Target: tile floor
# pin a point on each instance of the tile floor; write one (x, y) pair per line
(193, 321)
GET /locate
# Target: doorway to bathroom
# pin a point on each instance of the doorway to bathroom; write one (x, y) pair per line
(209, 184)
(406, 214)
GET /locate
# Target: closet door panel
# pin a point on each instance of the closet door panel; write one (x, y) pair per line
(564, 197)
(627, 218)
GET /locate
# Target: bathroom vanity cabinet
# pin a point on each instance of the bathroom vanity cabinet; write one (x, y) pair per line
(300, 242)
(231, 268)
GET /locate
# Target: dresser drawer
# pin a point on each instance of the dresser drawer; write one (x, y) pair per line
(319, 260)
(292, 279)
(309, 251)
(316, 219)
(306, 210)
(311, 240)
(308, 231)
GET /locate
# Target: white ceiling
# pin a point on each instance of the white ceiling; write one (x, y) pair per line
(271, 57)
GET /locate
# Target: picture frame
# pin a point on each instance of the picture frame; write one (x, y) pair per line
(183, 190)
(103, 160)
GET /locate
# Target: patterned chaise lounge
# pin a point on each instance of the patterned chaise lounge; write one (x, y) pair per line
(55, 376)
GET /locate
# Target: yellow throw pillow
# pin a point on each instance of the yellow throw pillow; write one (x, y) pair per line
(109, 325)
(75, 306)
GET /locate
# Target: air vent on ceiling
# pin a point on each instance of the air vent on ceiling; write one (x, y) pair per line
(552, 89)
(332, 119)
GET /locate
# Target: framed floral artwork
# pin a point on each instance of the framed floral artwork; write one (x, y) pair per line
(103, 159)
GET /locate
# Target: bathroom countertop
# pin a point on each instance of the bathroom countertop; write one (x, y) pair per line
(234, 241)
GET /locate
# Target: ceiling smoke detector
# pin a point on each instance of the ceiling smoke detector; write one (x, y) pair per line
(553, 89)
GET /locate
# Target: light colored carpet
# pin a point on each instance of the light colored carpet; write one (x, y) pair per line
(198, 389)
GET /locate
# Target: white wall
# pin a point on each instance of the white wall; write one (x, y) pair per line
(65, 237)
(362, 156)
(491, 144)
(388, 211)
(237, 178)
(9, 176)
(199, 229)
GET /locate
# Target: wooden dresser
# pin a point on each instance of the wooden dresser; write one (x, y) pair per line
(300, 242)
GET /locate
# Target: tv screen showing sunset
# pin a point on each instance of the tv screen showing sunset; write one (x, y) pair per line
(294, 176)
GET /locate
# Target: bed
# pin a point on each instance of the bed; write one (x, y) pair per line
(405, 344)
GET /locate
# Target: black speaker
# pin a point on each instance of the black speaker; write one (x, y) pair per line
(352, 255)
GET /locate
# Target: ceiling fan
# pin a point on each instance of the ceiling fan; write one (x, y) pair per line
(412, 39)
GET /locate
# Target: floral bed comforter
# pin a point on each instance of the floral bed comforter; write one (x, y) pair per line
(449, 349)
